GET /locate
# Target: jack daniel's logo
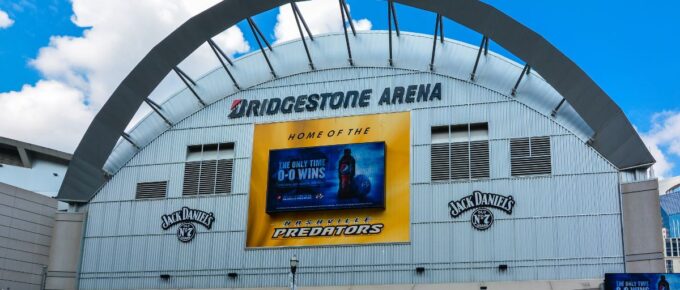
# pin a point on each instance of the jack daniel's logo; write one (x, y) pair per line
(482, 218)
(186, 217)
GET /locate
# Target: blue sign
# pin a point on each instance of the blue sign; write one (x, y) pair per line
(331, 177)
(643, 281)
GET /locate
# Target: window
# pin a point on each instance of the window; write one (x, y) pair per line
(459, 152)
(530, 156)
(10, 155)
(156, 189)
(669, 266)
(208, 169)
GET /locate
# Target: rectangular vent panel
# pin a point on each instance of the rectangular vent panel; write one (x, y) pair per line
(479, 159)
(439, 162)
(208, 177)
(192, 171)
(206, 181)
(530, 156)
(157, 189)
(459, 152)
(460, 160)
(224, 176)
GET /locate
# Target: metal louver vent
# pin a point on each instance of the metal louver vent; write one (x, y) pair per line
(530, 156)
(459, 160)
(208, 177)
(439, 162)
(156, 189)
(209, 169)
(192, 171)
(206, 180)
(479, 159)
(224, 176)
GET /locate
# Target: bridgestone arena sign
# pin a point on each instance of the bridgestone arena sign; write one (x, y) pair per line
(335, 100)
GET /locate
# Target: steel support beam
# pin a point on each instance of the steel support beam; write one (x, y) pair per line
(302, 35)
(304, 23)
(157, 108)
(557, 108)
(220, 54)
(391, 17)
(394, 16)
(129, 139)
(343, 5)
(259, 32)
(217, 49)
(256, 32)
(525, 71)
(438, 28)
(344, 29)
(186, 80)
(484, 46)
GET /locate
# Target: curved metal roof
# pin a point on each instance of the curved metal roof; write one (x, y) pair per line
(613, 136)
(670, 203)
(666, 186)
(495, 73)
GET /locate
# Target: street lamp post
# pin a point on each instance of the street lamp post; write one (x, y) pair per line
(293, 268)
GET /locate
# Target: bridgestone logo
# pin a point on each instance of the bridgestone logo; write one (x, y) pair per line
(328, 231)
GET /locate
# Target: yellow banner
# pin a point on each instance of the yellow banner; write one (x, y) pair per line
(390, 224)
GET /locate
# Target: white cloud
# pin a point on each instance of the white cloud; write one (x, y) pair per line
(663, 139)
(5, 21)
(50, 112)
(322, 16)
(88, 68)
(362, 24)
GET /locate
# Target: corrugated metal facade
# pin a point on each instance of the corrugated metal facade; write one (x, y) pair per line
(566, 225)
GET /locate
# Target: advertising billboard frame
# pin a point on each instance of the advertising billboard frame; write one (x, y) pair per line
(392, 224)
(641, 281)
(382, 206)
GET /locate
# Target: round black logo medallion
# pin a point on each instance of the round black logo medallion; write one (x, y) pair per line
(186, 232)
(481, 219)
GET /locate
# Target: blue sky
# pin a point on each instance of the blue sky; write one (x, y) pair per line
(33, 26)
(627, 47)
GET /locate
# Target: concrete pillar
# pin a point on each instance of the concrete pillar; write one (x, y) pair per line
(65, 251)
(643, 244)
